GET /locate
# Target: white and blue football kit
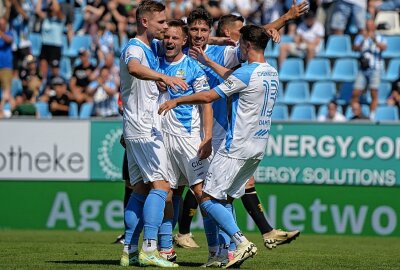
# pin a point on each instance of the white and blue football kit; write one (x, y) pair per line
(228, 57)
(146, 153)
(253, 89)
(182, 125)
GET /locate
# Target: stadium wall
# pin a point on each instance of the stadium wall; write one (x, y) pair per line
(322, 178)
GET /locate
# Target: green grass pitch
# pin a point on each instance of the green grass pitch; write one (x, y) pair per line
(93, 250)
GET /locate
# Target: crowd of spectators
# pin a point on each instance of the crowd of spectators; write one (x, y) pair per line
(27, 78)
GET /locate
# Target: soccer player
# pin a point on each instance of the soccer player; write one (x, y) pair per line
(187, 150)
(200, 22)
(253, 88)
(147, 159)
(229, 26)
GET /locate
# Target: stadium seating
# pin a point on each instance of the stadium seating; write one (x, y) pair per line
(387, 113)
(322, 92)
(303, 112)
(364, 110)
(277, 46)
(36, 40)
(77, 43)
(384, 91)
(16, 86)
(345, 93)
(297, 92)
(338, 46)
(73, 110)
(78, 19)
(65, 68)
(323, 110)
(393, 47)
(388, 22)
(42, 109)
(280, 112)
(292, 69)
(393, 70)
(345, 70)
(86, 110)
(318, 69)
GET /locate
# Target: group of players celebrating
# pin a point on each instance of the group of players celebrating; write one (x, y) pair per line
(196, 115)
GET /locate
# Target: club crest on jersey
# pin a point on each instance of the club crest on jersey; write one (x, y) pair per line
(180, 74)
(229, 83)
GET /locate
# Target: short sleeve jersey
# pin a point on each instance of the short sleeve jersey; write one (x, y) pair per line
(139, 97)
(254, 89)
(184, 120)
(228, 57)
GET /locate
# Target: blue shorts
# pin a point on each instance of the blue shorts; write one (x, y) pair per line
(343, 11)
(370, 78)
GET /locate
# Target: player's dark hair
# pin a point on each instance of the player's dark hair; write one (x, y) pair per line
(148, 6)
(179, 24)
(226, 21)
(200, 14)
(256, 35)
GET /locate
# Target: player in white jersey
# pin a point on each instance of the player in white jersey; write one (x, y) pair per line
(147, 159)
(199, 22)
(253, 88)
(187, 150)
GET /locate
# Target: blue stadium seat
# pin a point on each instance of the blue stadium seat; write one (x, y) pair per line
(297, 92)
(65, 45)
(364, 109)
(78, 19)
(277, 46)
(281, 95)
(303, 112)
(73, 110)
(77, 43)
(65, 68)
(318, 69)
(338, 46)
(387, 113)
(323, 110)
(345, 70)
(280, 112)
(393, 47)
(42, 109)
(323, 92)
(86, 110)
(16, 86)
(393, 70)
(384, 91)
(345, 93)
(291, 69)
(36, 40)
(268, 50)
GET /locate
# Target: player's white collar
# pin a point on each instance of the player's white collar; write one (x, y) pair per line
(175, 62)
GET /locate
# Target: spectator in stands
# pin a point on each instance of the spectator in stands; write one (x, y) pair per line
(25, 104)
(82, 75)
(21, 12)
(58, 99)
(357, 112)
(67, 8)
(394, 98)
(30, 76)
(52, 33)
(307, 42)
(179, 8)
(105, 94)
(6, 64)
(112, 67)
(55, 72)
(131, 27)
(370, 45)
(345, 10)
(389, 5)
(103, 41)
(118, 17)
(271, 10)
(94, 11)
(324, 14)
(333, 114)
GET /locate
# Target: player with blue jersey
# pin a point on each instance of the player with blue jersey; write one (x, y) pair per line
(187, 137)
(147, 159)
(253, 89)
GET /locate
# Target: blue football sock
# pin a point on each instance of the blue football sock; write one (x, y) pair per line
(224, 238)
(222, 216)
(176, 202)
(211, 231)
(165, 234)
(230, 207)
(153, 213)
(133, 218)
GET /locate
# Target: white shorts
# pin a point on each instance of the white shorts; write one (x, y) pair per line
(184, 167)
(216, 144)
(228, 176)
(147, 159)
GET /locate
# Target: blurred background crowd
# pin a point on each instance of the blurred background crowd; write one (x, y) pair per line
(340, 61)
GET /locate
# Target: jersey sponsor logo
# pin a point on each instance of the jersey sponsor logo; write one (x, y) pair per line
(180, 73)
(261, 132)
(229, 84)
